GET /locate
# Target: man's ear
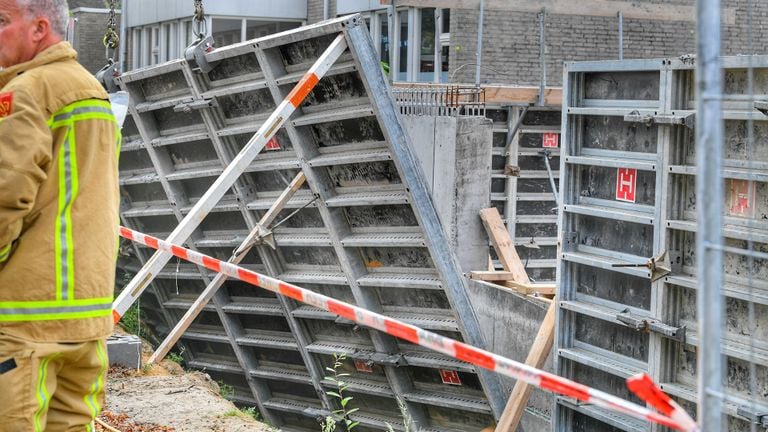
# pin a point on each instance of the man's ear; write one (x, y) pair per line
(41, 29)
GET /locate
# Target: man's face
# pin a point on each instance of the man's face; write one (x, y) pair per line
(17, 43)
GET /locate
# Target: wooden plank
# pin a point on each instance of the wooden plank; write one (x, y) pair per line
(508, 279)
(603, 8)
(503, 244)
(528, 288)
(537, 356)
(505, 94)
(491, 276)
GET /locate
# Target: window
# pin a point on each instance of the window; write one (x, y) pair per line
(226, 31)
(426, 57)
(166, 48)
(421, 42)
(256, 29)
(403, 45)
(162, 42)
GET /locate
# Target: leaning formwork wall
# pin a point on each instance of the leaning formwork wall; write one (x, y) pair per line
(371, 235)
(628, 193)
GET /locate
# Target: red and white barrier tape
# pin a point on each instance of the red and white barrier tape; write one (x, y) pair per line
(455, 349)
(643, 387)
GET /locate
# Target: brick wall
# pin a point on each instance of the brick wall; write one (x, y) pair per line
(89, 33)
(511, 41)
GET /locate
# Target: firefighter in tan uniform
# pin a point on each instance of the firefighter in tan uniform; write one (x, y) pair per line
(58, 224)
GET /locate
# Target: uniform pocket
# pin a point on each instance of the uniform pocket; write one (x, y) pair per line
(17, 400)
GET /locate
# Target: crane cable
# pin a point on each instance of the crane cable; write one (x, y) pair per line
(199, 25)
(111, 39)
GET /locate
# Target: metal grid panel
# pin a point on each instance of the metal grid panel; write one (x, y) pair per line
(187, 126)
(521, 186)
(634, 118)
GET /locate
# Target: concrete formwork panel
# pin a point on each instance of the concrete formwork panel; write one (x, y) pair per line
(366, 231)
(521, 188)
(628, 193)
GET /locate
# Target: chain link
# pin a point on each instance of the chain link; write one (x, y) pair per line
(111, 38)
(199, 25)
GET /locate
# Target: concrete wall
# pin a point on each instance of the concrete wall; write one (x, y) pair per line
(511, 40)
(455, 154)
(509, 323)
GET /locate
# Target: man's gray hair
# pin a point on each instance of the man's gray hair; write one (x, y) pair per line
(57, 12)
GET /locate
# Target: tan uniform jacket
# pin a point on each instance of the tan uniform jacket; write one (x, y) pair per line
(59, 200)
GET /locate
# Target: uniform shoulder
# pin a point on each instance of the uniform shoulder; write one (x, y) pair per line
(56, 85)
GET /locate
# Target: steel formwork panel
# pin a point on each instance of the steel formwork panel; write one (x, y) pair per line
(521, 188)
(626, 120)
(369, 233)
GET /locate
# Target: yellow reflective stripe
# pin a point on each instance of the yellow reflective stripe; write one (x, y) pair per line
(56, 316)
(53, 303)
(88, 105)
(5, 252)
(91, 399)
(68, 120)
(91, 109)
(55, 310)
(63, 242)
(41, 392)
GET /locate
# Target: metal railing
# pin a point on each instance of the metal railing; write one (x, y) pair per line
(449, 101)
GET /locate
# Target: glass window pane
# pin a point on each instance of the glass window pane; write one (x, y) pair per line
(166, 48)
(189, 34)
(384, 41)
(226, 31)
(427, 45)
(446, 14)
(444, 60)
(403, 69)
(256, 29)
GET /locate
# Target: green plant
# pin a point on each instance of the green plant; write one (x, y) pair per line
(407, 419)
(175, 357)
(343, 414)
(147, 368)
(232, 413)
(226, 390)
(131, 320)
(328, 424)
(251, 412)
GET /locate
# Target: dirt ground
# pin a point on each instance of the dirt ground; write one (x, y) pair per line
(165, 398)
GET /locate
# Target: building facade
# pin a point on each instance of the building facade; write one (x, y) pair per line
(88, 23)
(522, 43)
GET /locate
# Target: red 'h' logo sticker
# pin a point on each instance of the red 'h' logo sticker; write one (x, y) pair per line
(6, 104)
(550, 140)
(626, 184)
(450, 377)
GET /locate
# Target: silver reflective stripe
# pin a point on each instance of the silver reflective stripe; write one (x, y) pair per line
(64, 217)
(55, 309)
(81, 110)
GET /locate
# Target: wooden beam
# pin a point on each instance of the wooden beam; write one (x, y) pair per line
(529, 288)
(603, 8)
(503, 244)
(537, 356)
(499, 94)
(491, 276)
(507, 279)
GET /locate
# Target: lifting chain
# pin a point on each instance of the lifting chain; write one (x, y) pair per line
(198, 20)
(111, 39)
